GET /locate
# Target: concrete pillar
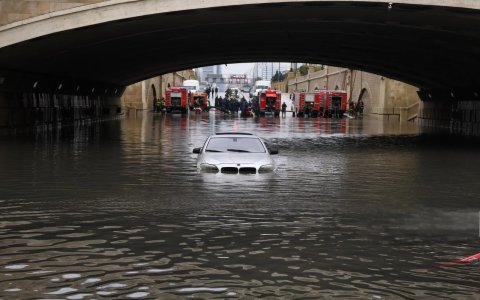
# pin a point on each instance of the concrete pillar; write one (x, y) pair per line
(144, 94)
(382, 101)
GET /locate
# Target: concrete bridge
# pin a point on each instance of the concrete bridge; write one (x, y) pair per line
(92, 47)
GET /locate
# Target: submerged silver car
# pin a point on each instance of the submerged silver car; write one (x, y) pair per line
(234, 153)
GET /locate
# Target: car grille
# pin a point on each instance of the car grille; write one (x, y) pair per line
(248, 171)
(234, 170)
(230, 170)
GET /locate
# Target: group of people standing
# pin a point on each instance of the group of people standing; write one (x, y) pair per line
(356, 108)
(212, 92)
(231, 105)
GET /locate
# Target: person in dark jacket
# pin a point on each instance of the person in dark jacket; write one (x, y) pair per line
(284, 109)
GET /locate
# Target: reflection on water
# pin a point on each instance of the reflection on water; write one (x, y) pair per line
(361, 208)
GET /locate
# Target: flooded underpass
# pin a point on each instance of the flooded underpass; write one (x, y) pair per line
(357, 208)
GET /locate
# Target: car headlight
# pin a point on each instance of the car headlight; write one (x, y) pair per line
(266, 169)
(208, 168)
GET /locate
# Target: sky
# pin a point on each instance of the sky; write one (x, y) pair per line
(237, 68)
(246, 68)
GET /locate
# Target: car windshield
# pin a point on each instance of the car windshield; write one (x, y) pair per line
(235, 144)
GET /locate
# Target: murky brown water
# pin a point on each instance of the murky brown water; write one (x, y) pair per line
(359, 208)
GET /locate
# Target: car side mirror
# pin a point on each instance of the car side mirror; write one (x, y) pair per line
(273, 151)
(197, 150)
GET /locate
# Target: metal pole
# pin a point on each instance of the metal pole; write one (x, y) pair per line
(272, 71)
(279, 74)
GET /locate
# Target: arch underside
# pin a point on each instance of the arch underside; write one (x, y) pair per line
(430, 47)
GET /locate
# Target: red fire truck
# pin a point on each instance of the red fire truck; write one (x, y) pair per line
(333, 103)
(269, 101)
(176, 100)
(326, 103)
(307, 104)
(199, 100)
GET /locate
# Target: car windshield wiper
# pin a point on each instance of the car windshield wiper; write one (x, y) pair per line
(212, 150)
(237, 150)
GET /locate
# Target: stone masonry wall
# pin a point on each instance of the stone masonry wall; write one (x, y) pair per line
(141, 95)
(18, 10)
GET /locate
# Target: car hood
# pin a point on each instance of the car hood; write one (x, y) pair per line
(236, 158)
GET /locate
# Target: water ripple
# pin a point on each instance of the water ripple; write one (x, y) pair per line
(118, 210)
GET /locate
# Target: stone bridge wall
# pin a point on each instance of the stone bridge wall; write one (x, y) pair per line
(141, 94)
(26, 109)
(457, 117)
(17, 10)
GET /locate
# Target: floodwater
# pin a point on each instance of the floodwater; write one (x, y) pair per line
(358, 208)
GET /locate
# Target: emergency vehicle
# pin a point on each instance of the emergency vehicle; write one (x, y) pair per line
(269, 101)
(199, 99)
(307, 104)
(261, 85)
(333, 103)
(191, 85)
(176, 100)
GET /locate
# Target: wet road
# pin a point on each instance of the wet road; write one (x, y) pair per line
(360, 208)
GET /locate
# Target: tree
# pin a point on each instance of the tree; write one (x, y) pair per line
(303, 70)
(278, 77)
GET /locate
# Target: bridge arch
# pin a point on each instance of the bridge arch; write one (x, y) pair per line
(124, 41)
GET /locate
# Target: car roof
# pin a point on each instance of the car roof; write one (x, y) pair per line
(233, 134)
